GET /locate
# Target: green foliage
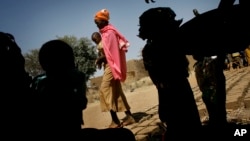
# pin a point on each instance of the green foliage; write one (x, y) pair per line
(84, 51)
(85, 54)
(32, 65)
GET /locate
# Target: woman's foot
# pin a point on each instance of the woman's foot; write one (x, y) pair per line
(128, 120)
(115, 125)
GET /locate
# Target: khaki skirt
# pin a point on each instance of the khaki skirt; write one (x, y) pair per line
(112, 96)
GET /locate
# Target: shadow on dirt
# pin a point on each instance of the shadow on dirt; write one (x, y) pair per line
(139, 116)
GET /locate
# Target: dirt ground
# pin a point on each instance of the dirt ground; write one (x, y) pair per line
(144, 96)
(141, 97)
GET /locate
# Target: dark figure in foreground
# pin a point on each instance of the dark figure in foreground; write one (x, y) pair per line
(167, 66)
(210, 62)
(223, 29)
(212, 82)
(60, 97)
(15, 92)
(59, 93)
(213, 33)
(209, 71)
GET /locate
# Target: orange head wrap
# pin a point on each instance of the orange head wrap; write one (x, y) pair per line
(102, 15)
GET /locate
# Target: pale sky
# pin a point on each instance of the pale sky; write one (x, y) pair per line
(34, 22)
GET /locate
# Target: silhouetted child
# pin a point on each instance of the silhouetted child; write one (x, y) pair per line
(60, 92)
(101, 60)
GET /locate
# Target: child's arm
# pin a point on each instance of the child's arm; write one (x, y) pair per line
(101, 59)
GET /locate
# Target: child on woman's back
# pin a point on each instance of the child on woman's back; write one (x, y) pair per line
(101, 60)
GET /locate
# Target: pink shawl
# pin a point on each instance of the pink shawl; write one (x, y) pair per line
(115, 46)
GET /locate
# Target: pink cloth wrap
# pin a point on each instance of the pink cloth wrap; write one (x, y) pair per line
(115, 47)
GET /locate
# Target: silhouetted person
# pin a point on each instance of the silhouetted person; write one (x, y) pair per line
(15, 92)
(209, 71)
(216, 33)
(61, 96)
(60, 93)
(167, 66)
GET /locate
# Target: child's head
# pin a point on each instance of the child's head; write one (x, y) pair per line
(56, 55)
(96, 37)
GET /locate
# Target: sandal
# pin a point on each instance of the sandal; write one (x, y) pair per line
(114, 125)
(128, 120)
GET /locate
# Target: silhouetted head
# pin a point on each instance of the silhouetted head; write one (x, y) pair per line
(56, 56)
(15, 81)
(157, 22)
(11, 57)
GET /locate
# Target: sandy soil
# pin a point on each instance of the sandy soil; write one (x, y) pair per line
(140, 100)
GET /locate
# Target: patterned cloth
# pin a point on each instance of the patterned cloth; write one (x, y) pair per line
(205, 75)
